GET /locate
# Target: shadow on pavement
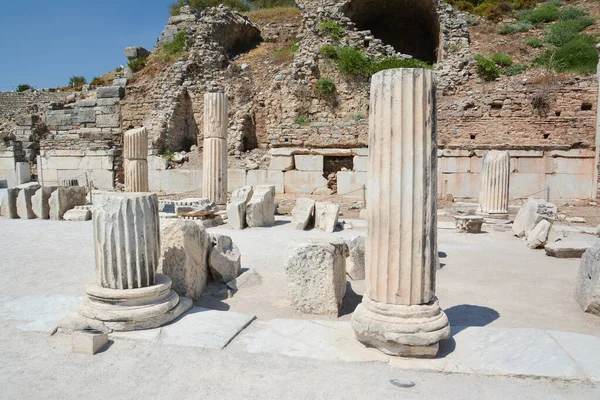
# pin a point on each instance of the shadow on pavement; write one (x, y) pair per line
(464, 316)
(351, 301)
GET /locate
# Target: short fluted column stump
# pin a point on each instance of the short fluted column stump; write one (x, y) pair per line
(135, 153)
(127, 293)
(495, 184)
(399, 313)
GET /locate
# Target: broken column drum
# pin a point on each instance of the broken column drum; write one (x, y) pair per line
(214, 172)
(127, 293)
(495, 181)
(399, 314)
(135, 153)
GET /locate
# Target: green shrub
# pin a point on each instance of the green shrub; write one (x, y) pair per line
(286, 54)
(329, 51)
(332, 28)
(23, 87)
(487, 69)
(395, 62)
(325, 88)
(501, 59)
(174, 48)
(494, 10)
(562, 32)
(76, 81)
(272, 3)
(353, 62)
(167, 155)
(545, 13)
(514, 69)
(301, 120)
(97, 81)
(463, 5)
(524, 4)
(137, 65)
(522, 26)
(579, 55)
(556, 3)
(358, 117)
(534, 42)
(568, 13)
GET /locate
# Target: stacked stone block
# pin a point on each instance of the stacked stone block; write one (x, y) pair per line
(135, 153)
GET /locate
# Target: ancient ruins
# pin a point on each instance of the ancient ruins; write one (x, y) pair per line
(336, 181)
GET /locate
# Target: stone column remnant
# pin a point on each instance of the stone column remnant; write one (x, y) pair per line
(127, 294)
(400, 314)
(214, 173)
(135, 153)
(495, 178)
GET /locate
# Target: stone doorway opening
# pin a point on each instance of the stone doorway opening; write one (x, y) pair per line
(183, 129)
(334, 164)
(409, 26)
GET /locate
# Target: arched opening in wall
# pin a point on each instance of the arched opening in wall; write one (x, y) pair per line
(334, 164)
(183, 130)
(249, 139)
(409, 26)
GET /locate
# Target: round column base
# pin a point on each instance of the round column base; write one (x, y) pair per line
(131, 309)
(399, 330)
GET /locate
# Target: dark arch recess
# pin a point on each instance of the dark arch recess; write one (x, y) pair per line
(409, 26)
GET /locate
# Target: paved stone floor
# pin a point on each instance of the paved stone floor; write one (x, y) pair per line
(511, 309)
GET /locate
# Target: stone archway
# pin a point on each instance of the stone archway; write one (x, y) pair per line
(410, 26)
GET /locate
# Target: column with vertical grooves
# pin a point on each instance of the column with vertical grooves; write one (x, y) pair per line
(214, 172)
(495, 184)
(135, 154)
(399, 314)
(126, 239)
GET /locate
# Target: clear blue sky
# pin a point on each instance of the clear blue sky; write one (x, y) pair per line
(44, 42)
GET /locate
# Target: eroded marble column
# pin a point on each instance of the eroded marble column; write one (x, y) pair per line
(400, 314)
(495, 180)
(135, 153)
(214, 172)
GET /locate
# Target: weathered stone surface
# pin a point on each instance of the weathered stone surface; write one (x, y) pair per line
(326, 216)
(134, 52)
(224, 259)
(248, 278)
(587, 291)
(399, 313)
(566, 249)
(9, 205)
(526, 218)
(65, 198)
(236, 209)
(303, 182)
(308, 163)
(260, 211)
(135, 153)
(495, 180)
(126, 237)
(88, 341)
(355, 263)
(24, 203)
(468, 223)
(538, 237)
(110, 92)
(316, 276)
(79, 213)
(281, 163)
(184, 252)
(303, 213)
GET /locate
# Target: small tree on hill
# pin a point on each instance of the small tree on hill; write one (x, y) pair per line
(23, 87)
(76, 81)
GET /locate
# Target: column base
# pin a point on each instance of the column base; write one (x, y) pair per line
(128, 310)
(493, 216)
(399, 330)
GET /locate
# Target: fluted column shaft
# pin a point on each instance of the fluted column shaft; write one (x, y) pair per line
(135, 153)
(126, 239)
(399, 313)
(495, 181)
(214, 172)
(401, 252)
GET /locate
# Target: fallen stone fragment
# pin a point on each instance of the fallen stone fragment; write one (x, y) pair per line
(9, 205)
(65, 198)
(236, 209)
(587, 291)
(24, 204)
(576, 220)
(526, 218)
(183, 257)
(468, 224)
(88, 341)
(326, 216)
(135, 52)
(79, 213)
(566, 249)
(248, 278)
(355, 263)
(40, 202)
(316, 276)
(303, 213)
(260, 211)
(538, 237)
(224, 259)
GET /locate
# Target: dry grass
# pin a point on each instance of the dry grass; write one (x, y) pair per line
(269, 15)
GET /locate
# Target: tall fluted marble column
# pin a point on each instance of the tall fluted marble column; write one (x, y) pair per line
(495, 181)
(400, 314)
(214, 173)
(135, 153)
(127, 293)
